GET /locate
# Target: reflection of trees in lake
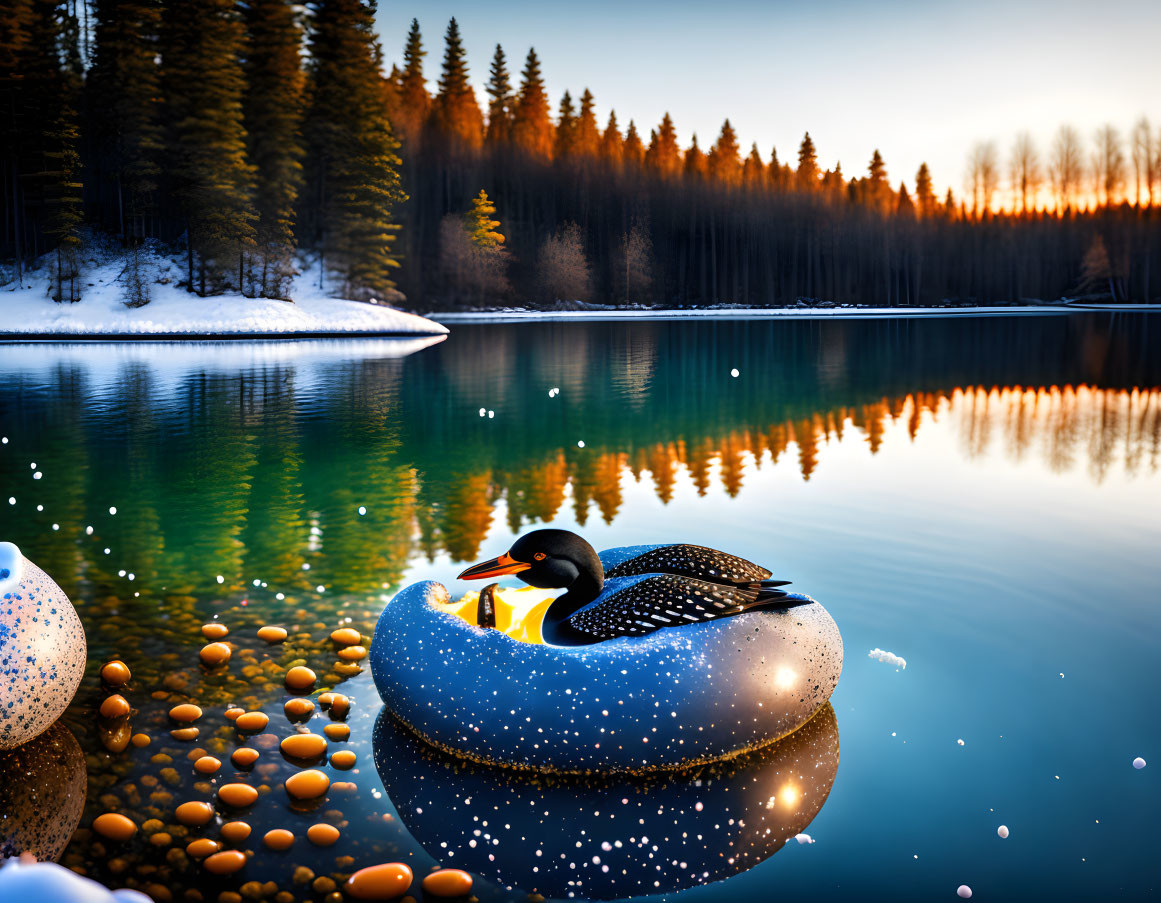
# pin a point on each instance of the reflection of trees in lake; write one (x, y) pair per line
(229, 473)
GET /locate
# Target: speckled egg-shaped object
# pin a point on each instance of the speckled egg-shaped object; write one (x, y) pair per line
(675, 698)
(42, 649)
(42, 794)
(602, 837)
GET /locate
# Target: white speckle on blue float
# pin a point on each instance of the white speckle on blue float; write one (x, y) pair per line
(1138, 763)
(1002, 831)
(960, 742)
(362, 510)
(964, 891)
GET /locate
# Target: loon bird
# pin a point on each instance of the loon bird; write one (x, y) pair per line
(630, 591)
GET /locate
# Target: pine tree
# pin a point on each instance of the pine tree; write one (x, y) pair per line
(482, 229)
(456, 113)
(694, 164)
(203, 83)
(352, 161)
(588, 133)
(61, 185)
(124, 122)
(414, 101)
(806, 176)
(924, 195)
(565, 140)
(878, 191)
(500, 99)
(532, 129)
(274, 109)
(904, 206)
(753, 169)
(664, 154)
(632, 151)
(612, 146)
(724, 163)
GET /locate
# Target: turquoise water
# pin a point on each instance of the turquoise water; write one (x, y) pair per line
(978, 497)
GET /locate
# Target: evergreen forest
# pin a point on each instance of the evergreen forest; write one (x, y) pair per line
(252, 139)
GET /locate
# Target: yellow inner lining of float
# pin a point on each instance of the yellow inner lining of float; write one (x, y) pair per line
(519, 611)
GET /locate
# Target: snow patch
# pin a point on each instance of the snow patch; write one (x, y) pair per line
(890, 658)
(172, 311)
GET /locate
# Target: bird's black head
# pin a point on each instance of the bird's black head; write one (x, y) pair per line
(549, 559)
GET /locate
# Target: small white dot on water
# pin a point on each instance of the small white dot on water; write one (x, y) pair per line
(734, 373)
(113, 509)
(106, 551)
(1003, 832)
(56, 526)
(38, 475)
(40, 507)
(220, 579)
(306, 565)
(33, 465)
(280, 596)
(88, 531)
(320, 588)
(581, 444)
(491, 415)
(964, 891)
(1138, 763)
(483, 412)
(362, 510)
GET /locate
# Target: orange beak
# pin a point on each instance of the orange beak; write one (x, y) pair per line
(505, 564)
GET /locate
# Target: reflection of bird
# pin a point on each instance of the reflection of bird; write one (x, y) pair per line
(631, 591)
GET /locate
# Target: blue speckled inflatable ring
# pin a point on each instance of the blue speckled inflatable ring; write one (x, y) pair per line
(675, 698)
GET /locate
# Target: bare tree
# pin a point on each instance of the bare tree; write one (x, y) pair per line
(636, 253)
(982, 176)
(1108, 164)
(1141, 143)
(1024, 171)
(563, 268)
(470, 272)
(1066, 168)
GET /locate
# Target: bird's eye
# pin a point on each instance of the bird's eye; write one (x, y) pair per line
(539, 556)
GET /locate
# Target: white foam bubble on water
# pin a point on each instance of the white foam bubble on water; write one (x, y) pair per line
(960, 742)
(1003, 832)
(804, 838)
(362, 510)
(113, 510)
(964, 891)
(220, 579)
(734, 373)
(1138, 763)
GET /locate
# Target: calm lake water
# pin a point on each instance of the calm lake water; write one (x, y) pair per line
(981, 498)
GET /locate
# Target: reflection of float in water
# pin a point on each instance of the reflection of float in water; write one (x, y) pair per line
(603, 838)
(42, 794)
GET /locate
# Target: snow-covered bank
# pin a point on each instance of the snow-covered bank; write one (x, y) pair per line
(174, 313)
(778, 313)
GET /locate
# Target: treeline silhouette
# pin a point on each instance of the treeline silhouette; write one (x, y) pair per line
(245, 134)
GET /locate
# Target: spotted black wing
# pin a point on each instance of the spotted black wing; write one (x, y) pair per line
(698, 562)
(667, 600)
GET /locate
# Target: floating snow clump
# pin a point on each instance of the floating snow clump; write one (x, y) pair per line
(882, 655)
(804, 838)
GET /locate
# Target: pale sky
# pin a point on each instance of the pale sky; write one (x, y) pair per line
(919, 80)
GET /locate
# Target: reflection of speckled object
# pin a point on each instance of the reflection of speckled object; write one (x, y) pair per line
(48, 881)
(42, 649)
(42, 794)
(605, 837)
(677, 697)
